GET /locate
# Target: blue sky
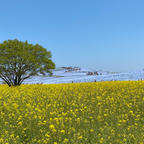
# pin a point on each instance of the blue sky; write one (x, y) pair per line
(101, 34)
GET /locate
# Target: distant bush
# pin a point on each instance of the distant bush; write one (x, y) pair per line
(92, 73)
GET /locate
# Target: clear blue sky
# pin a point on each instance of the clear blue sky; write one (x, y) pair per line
(102, 34)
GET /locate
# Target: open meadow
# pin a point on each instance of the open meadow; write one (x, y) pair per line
(77, 113)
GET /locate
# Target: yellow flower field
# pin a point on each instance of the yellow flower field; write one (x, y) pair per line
(82, 113)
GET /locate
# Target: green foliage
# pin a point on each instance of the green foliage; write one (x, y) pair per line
(21, 60)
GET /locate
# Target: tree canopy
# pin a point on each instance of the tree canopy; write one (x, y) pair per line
(21, 60)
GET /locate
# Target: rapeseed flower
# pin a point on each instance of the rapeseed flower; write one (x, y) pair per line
(101, 112)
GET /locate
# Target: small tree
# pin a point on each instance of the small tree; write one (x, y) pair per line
(21, 60)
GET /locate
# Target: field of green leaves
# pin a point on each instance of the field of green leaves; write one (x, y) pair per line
(82, 113)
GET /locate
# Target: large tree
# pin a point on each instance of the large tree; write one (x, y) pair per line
(21, 60)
